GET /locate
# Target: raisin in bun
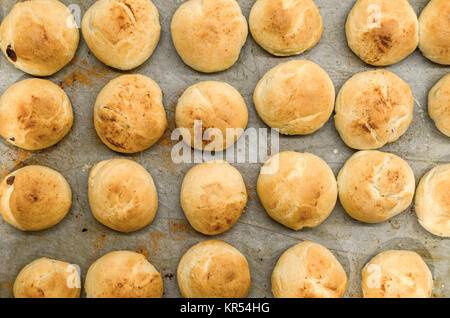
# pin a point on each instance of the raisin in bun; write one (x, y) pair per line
(34, 198)
(39, 37)
(35, 114)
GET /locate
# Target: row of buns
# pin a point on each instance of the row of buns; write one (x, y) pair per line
(215, 269)
(296, 189)
(41, 36)
(373, 108)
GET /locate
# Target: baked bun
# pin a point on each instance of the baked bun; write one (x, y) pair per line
(34, 198)
(285, 27)
(295, 97)
(122, 33)
(35, 114)
(213, 196)
(39, 37)
(396, 274)
(432, 202)
(382, 32)
(439, 105)
(373, 108)
(216, 107)
(308, 270)
(213, 269)
(375, 186)
(123, 274)
(122, 195)
(48, 278)
(129, 115)
(209, 34)
(297, 189)
(434, 31)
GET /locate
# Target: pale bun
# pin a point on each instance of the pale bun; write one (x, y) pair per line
(285, 27)
(209, 34)
(122, 33)
(213, 269)
(123, 274)
(48, 278)
(432, 202)
(295, 97)
(375, 186)
(122, 195)
(297, 189)
(396, 274)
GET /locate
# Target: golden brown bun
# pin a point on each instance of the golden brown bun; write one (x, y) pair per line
(382, 32)
(123, 274)
(34, 198)
(213, 196)
(299, 190)
(129, 115)
(35, 114)
(285, 27)
(308, 270)
(434, 30)
(295, 97)
(218, 106)
(432, 203)
(122, 195)
(373, 108)
(213, 269)
(48, 278)
(375, 186)
(39, 37)
(439, 104)
(209, 34)
(122, 33)
(396, 274)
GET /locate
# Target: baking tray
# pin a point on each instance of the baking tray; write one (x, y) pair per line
(79, 239)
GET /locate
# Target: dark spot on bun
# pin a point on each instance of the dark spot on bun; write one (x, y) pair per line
(10, 180)
(115, 144)
(11, 54)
